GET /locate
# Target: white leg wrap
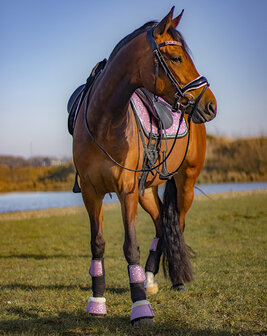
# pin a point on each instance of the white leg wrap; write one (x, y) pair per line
(151, 286)
(150, 280)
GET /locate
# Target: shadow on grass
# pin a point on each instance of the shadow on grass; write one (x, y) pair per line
(27, 287)
(40, 287)
(43, 256)
(79, 323)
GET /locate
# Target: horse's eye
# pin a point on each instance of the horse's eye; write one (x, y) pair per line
(177, 59)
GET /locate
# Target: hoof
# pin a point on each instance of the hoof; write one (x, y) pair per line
(141, 311)
(96, 307)
(142, 321)
(179, 287)
(152, 289)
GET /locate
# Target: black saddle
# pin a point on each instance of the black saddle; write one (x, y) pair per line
(78, 95)
(75, 97)
(73, 107)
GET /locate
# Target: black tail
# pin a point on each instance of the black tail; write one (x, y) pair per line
(176, 255)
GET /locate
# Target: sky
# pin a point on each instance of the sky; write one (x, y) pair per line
(49, 47)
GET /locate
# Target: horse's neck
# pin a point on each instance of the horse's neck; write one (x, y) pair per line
(109, 100)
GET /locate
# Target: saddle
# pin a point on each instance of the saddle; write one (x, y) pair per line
(73, 107)
(156, 116)
(78, 95)
(158, 122)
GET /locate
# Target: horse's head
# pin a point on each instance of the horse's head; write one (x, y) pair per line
(175, 77)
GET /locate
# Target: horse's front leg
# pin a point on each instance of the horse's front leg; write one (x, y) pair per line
(93, 202)
(141, 308)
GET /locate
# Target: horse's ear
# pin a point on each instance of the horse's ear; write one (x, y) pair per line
(176, 21)
(164, 24)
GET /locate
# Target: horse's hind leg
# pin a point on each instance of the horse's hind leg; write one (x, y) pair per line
(151, 203)
(185, 196)
(93, 203)
(141, 309)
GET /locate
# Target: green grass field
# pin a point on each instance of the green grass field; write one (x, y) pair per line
(44, 281)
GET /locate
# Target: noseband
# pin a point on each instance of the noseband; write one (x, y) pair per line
(181, 91)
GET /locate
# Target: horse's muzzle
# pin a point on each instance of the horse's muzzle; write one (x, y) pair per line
(201, 116)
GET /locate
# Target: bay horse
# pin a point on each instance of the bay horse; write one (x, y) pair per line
(108, 156)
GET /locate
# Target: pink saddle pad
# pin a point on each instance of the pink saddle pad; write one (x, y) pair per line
(150, 123)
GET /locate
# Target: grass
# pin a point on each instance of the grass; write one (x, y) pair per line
(44, 281)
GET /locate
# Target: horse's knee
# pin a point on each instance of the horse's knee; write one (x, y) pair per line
(131, 252)
(98, 247)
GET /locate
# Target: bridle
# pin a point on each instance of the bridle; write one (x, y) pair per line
(181, 91)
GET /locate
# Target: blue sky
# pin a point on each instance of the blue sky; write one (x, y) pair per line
(49, 47)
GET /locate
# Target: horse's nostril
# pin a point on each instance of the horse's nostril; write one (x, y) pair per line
(211, 108)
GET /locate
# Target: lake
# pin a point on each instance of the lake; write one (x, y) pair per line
(19, 201)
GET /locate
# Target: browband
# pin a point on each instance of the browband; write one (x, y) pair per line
(154, 44)
(163, 44)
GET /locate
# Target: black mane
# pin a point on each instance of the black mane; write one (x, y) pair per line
(172, 31)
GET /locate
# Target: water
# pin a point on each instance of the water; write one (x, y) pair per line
(20, 201)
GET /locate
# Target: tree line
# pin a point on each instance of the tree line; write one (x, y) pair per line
(227, 160)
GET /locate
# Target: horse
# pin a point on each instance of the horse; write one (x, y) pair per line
(108, 152)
